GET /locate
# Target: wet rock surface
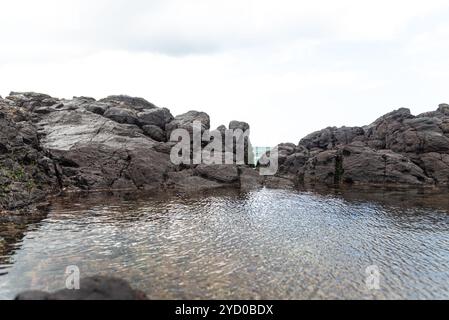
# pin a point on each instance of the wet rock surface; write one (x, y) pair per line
(397, 148)
(27, 173)
(93, 288)
(50, 145)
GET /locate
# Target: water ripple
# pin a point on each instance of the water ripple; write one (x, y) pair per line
(265, 244)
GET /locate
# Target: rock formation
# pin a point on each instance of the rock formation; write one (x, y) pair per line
(398, 148)
(49, 145)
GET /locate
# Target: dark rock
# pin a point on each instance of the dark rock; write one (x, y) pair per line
(31, 100)
(93, 288)
(154, 132)
(331, 137)
(185, 121)
(361, 164)
(397, 148)
(250, 178)
(138, 104)
(49, 145)
(121, 115)
(247, 147)
(219, 172)
(279, 183)
(444, 109)
(187, 181)
(222, 129)
(25, 175)
(97, 107)
(234, 125)
(156, 117)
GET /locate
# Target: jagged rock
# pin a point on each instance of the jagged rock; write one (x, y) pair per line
(222, 129)
(164, 147)
(329, 138)
(361, 164)
(84, 144)
(49, 144)
(156, 117)
(93, 288)
(97, 107)
(234, 125)
(248, 149)
(435, 165)
(138, 104)
(26, 174)
(219, 172)
(397, 148)
(154, 132)
(187, 181)
(250, 178)
(102, 151)
(121, 115)
(185, 121)
(279, 182)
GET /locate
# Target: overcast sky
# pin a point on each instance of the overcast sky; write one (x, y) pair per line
(286, 67)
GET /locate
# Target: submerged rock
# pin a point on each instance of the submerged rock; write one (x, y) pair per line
(93, 288)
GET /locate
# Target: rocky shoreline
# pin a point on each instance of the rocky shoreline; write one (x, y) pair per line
(50, 146)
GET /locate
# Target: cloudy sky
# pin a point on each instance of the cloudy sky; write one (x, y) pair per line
(286, 67)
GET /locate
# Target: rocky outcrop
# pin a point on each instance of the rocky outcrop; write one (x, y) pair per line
(50, 145)
(27, 173)
(93, 288)
(398, 148)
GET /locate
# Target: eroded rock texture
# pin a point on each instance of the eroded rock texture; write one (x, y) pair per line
(398, 148)
(49, 145)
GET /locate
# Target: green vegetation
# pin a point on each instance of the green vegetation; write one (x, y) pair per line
(338, 169)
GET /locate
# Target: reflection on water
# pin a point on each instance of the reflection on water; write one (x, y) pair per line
(264, 244)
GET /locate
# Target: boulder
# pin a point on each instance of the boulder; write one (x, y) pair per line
(250, 178)
(185, 121)
(134, 103)
(188, 181)
(159, 117)
(99, 152)
(31, 100)
(154, 132)
(218, 172)
(121, 115)
(360, 164)
(93, 288)
(331, 137)
(247, 147)
(234, 125)
(97, 107)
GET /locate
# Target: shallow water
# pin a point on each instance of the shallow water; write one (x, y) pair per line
(264, 244)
